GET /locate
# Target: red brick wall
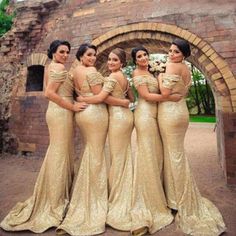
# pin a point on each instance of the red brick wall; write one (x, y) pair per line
(85, 20)
(28, 124)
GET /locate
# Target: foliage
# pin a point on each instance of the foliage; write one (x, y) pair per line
(200, 99)
(128, 70)
(6, 19)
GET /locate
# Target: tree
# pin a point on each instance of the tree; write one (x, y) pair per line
(6, 19)
(200, 96)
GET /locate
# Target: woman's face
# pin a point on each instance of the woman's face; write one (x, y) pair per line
(61, 54)
(142, 58)
(175, 55)
(114, 63)
(89, 57)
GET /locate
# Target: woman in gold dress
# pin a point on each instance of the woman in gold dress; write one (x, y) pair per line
(195, 214)
(149, 208)
(119, 133)
(45, 208)
(88, 207)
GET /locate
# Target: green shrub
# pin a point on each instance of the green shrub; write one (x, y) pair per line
(6, 19)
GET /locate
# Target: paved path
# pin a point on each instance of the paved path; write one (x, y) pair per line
(17, 178)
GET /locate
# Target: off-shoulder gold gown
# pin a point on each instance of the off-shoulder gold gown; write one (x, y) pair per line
(196, 215)
(149, 206)
(88, 206)
(45, 208)
(121, 167)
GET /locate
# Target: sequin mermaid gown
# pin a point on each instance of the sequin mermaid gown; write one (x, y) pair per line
(149, 206)
(88, 206)
(196, 215)
(121, 164)
(46, 207)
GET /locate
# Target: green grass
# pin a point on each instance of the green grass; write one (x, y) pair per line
(207, 119)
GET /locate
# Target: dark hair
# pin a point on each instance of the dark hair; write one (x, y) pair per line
(54, 46)
(121, 54)
(135, 50)
(83, 48)
(183, 46)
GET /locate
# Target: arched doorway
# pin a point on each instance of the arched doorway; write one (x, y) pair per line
(157, 38)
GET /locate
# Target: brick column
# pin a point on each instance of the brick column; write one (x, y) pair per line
(226, 139)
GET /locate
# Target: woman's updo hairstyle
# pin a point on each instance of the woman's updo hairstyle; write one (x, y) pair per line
(135, 50)
(121, 54)
(183, 46)
(83, 48)
(54, 46)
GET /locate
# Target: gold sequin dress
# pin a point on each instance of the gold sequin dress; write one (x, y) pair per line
(87, 209)
(149, 207)
(45, 208)
(196, 215)
(121, 167)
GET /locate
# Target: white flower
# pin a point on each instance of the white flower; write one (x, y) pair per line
(133, 105)
(156, 66)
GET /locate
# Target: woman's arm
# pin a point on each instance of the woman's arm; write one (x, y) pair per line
(98, 98)
(164, 91)
(150, 97)
(154, 97)
(103, 96)
(51, 94)
(113, 101)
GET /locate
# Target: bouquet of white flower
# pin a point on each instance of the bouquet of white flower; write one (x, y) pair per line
(157, 67)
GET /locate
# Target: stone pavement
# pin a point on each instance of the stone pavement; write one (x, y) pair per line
(18, 176)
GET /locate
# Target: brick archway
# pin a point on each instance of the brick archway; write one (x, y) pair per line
(157, 38)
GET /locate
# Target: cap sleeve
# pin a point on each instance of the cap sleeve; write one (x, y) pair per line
(58, 76)
(169, 81)
(138, 80)
(94, 78)
(109, 85)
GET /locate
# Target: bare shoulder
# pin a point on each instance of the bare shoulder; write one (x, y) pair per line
(91, 69)
(57, 67)
(173, 68)
(78, 69)
(174, 65)
(117, 75)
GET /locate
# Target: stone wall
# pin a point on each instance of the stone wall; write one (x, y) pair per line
(208, 25)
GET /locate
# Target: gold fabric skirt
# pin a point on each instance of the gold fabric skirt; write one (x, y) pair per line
(88, 207)
(149, 206)
(46, 207)
(121, 168)
(196, 215)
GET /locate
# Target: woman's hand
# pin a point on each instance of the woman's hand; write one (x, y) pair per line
(79, 106)
(175, 97)
(126, 103)
(80, 99)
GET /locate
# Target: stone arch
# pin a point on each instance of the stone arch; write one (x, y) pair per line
(157, 37)
(35, 71)
(36, 59)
